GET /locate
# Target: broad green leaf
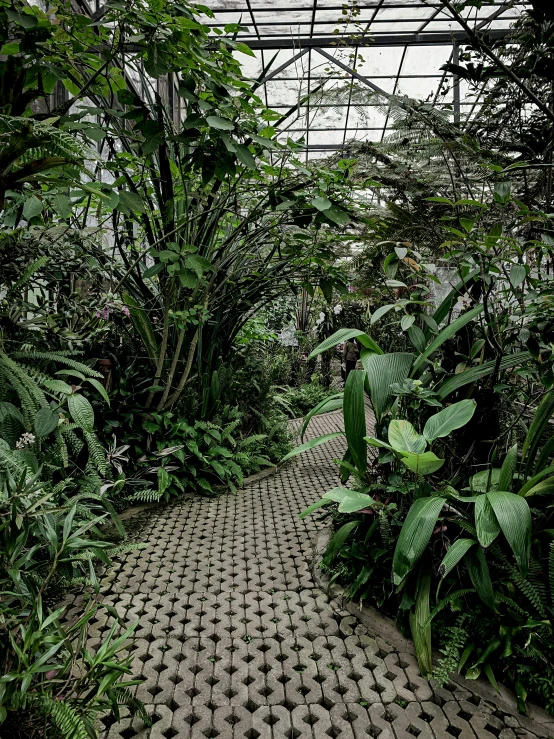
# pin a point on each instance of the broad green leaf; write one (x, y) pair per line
(99, 387)
(222, 124)
(453, 417)
(342, 335)
(508, 468)
(382, 371)
(404, 438)
(32, 208)
(415, 535)
(377, 443)
(480, 576)
(58, 386)
(514, 517)
(244, 155)
(321, 203)
(333, 403)
(81, 411)
(417, 338)
(354, 417)
(45, 422)
(349, 501)
(311, 444)
(422, 464)
(486, 523)
(532, 482)
(337, 215)
(486, 480)
(154, 270)
(454, 555)
(447, 333)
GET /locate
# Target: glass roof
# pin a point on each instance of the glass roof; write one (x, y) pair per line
(324, 59)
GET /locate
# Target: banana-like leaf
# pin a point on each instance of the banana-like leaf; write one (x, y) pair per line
(354, 418)
(143, 326)
(420, 625)
(486, 524)
(333, 403)
(415, 535)
(311, 444)
(480, 576)
(507, 470)
(454, 555)
(342, 335)
(404, 438)
(349, 501)
(422, 464)
(449, 419)
(542, 416)
(477, 373)
(447, 333)
(382, 371)
(514, 517)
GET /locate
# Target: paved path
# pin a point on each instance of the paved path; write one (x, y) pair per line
(235, 641)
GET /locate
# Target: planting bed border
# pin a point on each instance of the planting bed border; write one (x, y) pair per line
(537, 721)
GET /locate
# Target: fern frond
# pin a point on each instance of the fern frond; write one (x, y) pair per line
(59, 358)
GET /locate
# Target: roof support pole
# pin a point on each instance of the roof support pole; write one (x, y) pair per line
(456, 82)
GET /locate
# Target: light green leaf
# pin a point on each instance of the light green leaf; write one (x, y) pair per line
(404, 438)
(513, 515)
(314, 507)
(422, 464)
(380, 312)
(453, 417)
(333, 403)
(222, 124)
(485, 480)
(311, 444)
(377, 443)
(130, 201)
(32, 208)
(322, 203)
(415, 535)
(508, 468)
(407, 322)
(349, 501)
(517, 274)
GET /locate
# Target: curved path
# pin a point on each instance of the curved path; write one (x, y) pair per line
(235, 640)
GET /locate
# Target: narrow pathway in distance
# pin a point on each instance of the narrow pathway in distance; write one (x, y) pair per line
(235, 641)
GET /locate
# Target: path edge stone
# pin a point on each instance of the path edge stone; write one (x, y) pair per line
(383, 627)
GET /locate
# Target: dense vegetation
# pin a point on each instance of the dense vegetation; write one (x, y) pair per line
(156, 239)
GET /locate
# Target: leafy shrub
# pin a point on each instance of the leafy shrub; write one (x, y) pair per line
(296, 402)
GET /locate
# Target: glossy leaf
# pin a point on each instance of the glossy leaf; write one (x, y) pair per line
(342, 335)
(449, 419)
(454, 555)
(420, 625)
(480, 576)
(404, 438)
(382, 371)
(422, 464)
(507, 470)
(486, 524)
(349, 501)
(514, 517)
(333, 403)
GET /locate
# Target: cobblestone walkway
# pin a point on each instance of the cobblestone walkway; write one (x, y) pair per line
(235, 641)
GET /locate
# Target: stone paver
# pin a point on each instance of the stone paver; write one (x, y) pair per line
(235, 641)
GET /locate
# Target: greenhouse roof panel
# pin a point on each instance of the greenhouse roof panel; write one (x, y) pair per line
(346, 52)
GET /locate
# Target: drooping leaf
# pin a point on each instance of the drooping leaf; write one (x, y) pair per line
(130, 202)
(542, 416)
(476, 373)
(404, 438)
(454, 555)
(333, 403)
(311, 444)
(342, 335)
(336, 543)
(314, 507)
(415, 535)
(143, 326)
(453, 417)
(354, 417)
(422, 464)
(380, 312)
(222, 124)
(420, 625)
(517, 274)
(513, 515)
(382, 371)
